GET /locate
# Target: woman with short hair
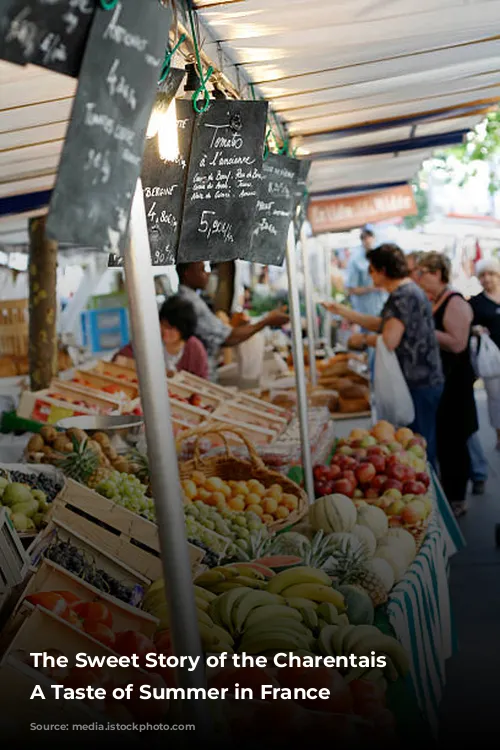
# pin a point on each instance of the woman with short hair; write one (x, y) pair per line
(486, 309)
(407, 328)
(457, 415)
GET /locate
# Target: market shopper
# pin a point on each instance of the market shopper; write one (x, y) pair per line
(457, 415)
(407, 328)
(212, 332)
(486, 309)
(413, 260)
(182, 350)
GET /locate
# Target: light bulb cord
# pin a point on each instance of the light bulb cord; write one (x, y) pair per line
(202, 91)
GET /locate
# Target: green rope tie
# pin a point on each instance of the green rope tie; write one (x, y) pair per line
(167, 63)
(109, 4)
(202, 91)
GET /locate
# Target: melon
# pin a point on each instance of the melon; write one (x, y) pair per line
(405, 541)
(360, 609)
(333, 513)
(367, 539)
(396, 559)
(266, 572)
(375, 519)
(384, 571)
(278, 563)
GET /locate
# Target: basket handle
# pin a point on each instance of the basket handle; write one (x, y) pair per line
(221, 431)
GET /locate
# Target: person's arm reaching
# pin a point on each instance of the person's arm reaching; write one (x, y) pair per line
(371, 322)
(243, 333)
(457, 322)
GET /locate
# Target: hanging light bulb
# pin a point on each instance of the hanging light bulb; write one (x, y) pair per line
(163, 123)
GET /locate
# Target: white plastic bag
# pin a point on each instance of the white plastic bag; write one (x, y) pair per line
(250, 359)
(485, 357)
(393, 400)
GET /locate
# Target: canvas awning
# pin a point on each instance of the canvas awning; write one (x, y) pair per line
(366, 88)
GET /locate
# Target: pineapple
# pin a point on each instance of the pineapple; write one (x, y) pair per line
(82, 464)
(139, 465)
(319, 550)
(349, 565)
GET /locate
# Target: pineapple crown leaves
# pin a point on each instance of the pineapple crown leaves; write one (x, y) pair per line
(348, 564)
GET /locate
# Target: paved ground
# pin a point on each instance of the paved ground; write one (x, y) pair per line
(471, 708)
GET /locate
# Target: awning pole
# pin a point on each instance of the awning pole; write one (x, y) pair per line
(298, 360)
(308, 291)
(162, 453)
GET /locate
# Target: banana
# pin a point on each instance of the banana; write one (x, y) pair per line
(226, 570)
(207, 635)
(222, 607)
(224, 586)
(209, 578)
(278, 625)
(338, 638)
(325, 640)
(249, 602)
(343, 620)
(272, 642)
(298, 603)
(202, 604)
(204, 618)
(252, 583)
(270, 611)
(317, 592)
(158, 585)
(223, 636)
(153, 601)
(358, 635)
(295, 576)
(328, 612)
(249, 572)
(309, 618)
(205, 594)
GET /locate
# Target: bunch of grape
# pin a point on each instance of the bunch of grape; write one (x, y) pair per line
(234, 526)
(211, 558)
(126, 490)
(38, 482)
(71, 558)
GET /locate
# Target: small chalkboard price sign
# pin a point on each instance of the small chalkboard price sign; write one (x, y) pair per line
(48, 33)
(223, 181)
(275, 209)
(102, 155)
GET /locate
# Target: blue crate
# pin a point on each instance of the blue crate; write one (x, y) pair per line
(105, 330)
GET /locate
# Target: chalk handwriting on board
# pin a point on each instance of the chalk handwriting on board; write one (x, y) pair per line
(104, 146)
(223, 181)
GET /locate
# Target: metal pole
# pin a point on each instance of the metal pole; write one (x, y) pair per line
(162, 452)
(313, 374)
(327, 329)
(298, 359)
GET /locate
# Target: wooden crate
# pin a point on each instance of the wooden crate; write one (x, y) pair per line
(122, 368)
(41, 407)
(256, 435)
(185, 391)
(200, 385)
(116, 530)
(92, 396)
(275, 413)
(14, 316)
(52, 577)
(232, 410)
(98, 382)
(187, 414)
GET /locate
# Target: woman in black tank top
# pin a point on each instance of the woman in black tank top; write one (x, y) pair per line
(457, 415)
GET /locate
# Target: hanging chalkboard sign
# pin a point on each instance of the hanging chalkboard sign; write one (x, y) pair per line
(163, 184)
(50, 34)
(275, 209)
(102, 155)
(223, 181)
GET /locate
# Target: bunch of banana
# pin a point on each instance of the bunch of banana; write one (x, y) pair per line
(214, 638)
(306, 583)
(232, 609)
(225, 578)
(361, 640)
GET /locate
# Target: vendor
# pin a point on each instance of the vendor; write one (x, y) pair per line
(214, 334)
(181, 349)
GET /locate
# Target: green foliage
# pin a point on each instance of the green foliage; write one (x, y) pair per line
(422, 201)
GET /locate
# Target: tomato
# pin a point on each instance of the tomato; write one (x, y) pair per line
(93, 612)
(68, 596)
(129, 643)
(100, 632)
(50, 600)
(73, 619)
(368, 698)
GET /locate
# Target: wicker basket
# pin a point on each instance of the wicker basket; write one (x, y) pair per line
(229, 467)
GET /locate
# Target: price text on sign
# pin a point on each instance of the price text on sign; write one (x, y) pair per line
(104, 146)
(49, 33)
(223, 181)
(275, 209)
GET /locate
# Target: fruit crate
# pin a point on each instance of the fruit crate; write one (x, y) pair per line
(93, 395)
(274, 413)
(52, 577)
(207, 402)
(14, 561)
(187, 414)
(113, 369)
(42, 407)
(91, 380)
(200, 385)
(258, 435)
(233, 411)
(116, 530)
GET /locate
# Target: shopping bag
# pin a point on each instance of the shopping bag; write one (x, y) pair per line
(250, 359)
(393, 400)
(485, 356)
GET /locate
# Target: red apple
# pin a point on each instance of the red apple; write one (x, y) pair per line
(414, 488)
(335, 471)
(396, 471)
(372, 494)
(414, 512)
(344, 487)
(379, 482)
(392, 460)
(378, 462)
(320, 472)
(365, 473)
(393, 484)
(351, 477)
(409, 474)
(375, 450)
(360, 454)
(423, 477)
(337, 459)
(355, 443)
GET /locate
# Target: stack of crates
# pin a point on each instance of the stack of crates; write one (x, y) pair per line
(105, 330)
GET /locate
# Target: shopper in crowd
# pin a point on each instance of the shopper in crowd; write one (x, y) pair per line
(413, 260)
(457, 416)
(181, 349)
(486, 309)
(407, 328)
(214, 334)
